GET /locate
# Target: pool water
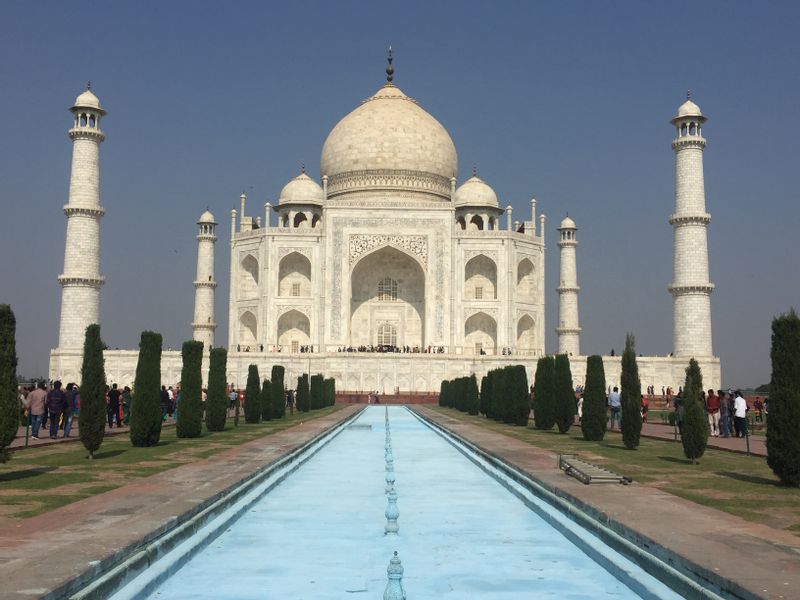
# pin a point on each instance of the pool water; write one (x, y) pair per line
(320, 532)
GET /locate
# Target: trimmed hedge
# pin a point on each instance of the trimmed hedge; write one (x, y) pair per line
(217, 401)
(303, 399)
(9, 400)
(783, 431)
(92, 418)
(252, 396)
(694, 430)
(316, 391)
(564, 394)
(543, 394)
(146, 414)
(595, 414)
(630, 396)
(278, 393)
(189, 417)
(266, 400)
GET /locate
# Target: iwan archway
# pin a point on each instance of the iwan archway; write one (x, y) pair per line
(387, 300)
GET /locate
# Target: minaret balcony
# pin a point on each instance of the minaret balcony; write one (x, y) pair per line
(86, 133)
(205, 284)
(210, 326)
(699, 219)
(565, 289)
(694, 288)
(74, 280)
(93, 211)
(689, 141)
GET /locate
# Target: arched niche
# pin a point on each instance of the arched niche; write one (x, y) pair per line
(387, 287)
(462, 223)
(480, 278)
(248, 281)
(525, 334)
(526, 281)
(294, 331)
(476, 223)
(300, 220)
(248, 331)
(480, 333)
(294, 275)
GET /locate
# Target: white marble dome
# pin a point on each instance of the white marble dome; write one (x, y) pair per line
(688, 109)
(207, 218)
(88, 100)
(301, 190)
(389, 132)
(567, 223)
(475, 192)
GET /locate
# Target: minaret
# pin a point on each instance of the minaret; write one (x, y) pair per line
(690, 288)
(81, 279)
(569, 341)
(203, 325)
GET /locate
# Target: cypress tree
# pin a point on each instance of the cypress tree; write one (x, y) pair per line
(564, 394)
(266, 400)
(694, 434)
(543, 392)
(499, 394)
(92, 423)
(303, 397)
(783, 428)
(473, 403)
(330, 392)
(189, 418)
(593, 421)
(484, 395)
(217, 402)
(442, 387)
(278, 393)
(519, 403)
(252, 396)
(9, 400)
(316, 391)
(146, 413)
(630, 396)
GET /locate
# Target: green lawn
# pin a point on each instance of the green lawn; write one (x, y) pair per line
(37, 480)
(738, 484)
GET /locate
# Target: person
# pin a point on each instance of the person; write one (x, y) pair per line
(724, 415)
(740, 414)
(69, 411)
(127, 403)
(113, 406)
(713, 409)
(173, 401)
(758, 406)
(644, 409)
(164, 403)
(580, 408)
(56, 401)
(290, 401)
(615, 404)
(232, 396)
(35, 408)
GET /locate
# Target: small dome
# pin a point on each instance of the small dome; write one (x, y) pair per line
(88, 100)
(207, 219)
(689, 110)
(389, 131)
(475, 192)
(302, 190)
(567, 223)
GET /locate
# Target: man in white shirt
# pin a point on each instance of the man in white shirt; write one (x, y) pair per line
(740, 414)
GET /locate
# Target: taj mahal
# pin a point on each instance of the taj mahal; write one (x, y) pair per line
(387, 273)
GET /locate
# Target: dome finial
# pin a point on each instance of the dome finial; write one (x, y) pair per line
(303, 167)
(88, 85)
(688, 94)
(389, 67)
(474, 169)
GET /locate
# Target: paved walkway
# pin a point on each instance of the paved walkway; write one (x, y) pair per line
(758, 443)
(41, 554)
(761, 562)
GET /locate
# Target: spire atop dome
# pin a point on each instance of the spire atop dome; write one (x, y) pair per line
(688, 94)
(89, 85)
(303, 167)
(474, 169)
(389, 67)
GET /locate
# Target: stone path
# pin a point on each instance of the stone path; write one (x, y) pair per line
(41, 554)
(758, 443)
(760, 561)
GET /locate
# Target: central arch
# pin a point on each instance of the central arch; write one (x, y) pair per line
(293, 331)
(387, 291)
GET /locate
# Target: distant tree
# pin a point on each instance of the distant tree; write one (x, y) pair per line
(484, 395)
(630, 396)
(595, 417)
(303, 397)
(316, 391)
(564, 394)
(266, 400)
(330, 391)
(473, 402)
(146, 415)
(543, 392)
(92, 425)
(518, 401)
(783, 428)
(189, 420)
(762, 389)
(252, 396)
(217, 402)
(278, 393)
(694, 433)
(9, 400)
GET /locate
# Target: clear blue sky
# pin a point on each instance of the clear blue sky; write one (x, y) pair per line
(567, 101)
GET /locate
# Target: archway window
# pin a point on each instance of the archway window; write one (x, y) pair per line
(477, 221)
(83, 119)
(387, 335)
(300, 219)
(315, 221)
(387, 290)
(461, 223)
